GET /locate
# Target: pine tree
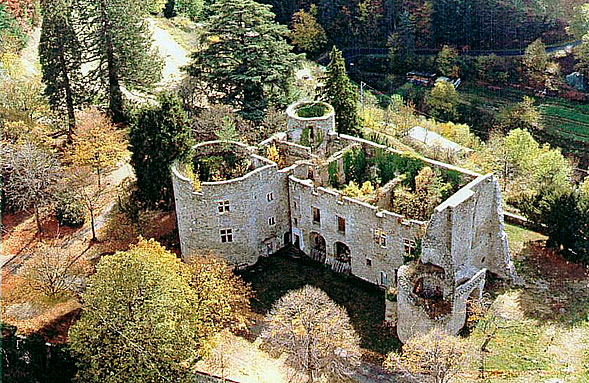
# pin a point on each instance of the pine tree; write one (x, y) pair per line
(61, 60)
(307, 34)
(341, 94)
(402, 51)
(245, 61)
(117, 40)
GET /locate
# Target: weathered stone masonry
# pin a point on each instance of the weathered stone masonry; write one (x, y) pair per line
(269, 207)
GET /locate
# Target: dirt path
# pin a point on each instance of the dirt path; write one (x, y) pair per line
(174, 55)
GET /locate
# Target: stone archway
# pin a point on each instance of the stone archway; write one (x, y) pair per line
(342, 262)
(318, 247)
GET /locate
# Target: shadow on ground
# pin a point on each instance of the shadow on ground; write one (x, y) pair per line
(273, 277)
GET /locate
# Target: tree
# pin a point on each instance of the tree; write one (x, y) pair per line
(402, 52)
(523, 115)
(307, 34)
(447, 62)
(53, 271)
(443, 100)
(314, 332)
(437, 354)
(61, 60)
(98, 143)
(170, 9)
(244, 60)
(81, 182)
(580, 28)
(146, 314)
(118, 46)
(29, 177)
(190, 8)
(159, 135)
(535, 62)
(341, 94)
(156, 6)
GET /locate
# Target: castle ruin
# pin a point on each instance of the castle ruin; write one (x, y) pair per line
(248, 202)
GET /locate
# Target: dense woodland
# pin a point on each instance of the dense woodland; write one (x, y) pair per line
(92, 117)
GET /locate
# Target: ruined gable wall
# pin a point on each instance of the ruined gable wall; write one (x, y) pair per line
(199, 221)
(361, 221)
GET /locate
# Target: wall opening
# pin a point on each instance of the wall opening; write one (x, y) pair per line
(318, 247)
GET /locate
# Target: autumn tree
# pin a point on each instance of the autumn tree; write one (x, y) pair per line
(80, 181)
(536, 63)
(244, 60)
(53, 271)
(61, 60)
(523, 115)
(29, 177)
(159, 135)
(437, 354)
(98, 143)
(146, 314)
(314, 332)
(307, 34)
(443, 101)
(341, 94)
(118, 49)
(447, 62)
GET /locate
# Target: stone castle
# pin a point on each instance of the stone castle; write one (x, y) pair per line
(285, 191)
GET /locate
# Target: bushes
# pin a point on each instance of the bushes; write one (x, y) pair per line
(69, 210)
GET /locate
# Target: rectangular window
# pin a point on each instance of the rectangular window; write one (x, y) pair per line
(316, 215)
(409, 245)
(383, 279)
(380, 238)
(222, 206)
(341, 224)
(310, 174)
(368, 262)
(296, 222)
(226, 235)
(271, 221)
(270, 197)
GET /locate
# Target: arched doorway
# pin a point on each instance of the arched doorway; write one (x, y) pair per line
(343, 258)
(318, 247)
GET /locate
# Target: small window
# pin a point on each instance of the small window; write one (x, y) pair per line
(380, 238)
(296, 222)
(369, 262)
(316, 215)
(310, 174)
(222, 206)
(226, 235)
(383, 279)
(294, 204)
(409, 245)
(271, 221)
(341, 225)
(270, 197)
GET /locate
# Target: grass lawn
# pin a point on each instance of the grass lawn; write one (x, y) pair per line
(273, 277)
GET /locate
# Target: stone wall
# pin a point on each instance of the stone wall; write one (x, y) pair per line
(362, 222)
(251, 206)
(319, 127)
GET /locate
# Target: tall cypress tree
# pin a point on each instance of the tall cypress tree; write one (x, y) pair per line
(341, 94)
(61, 60)
(118, 43)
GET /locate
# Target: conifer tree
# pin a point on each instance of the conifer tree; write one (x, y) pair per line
(341, 94)
(61, 60)
(117, 40)
(245, 61)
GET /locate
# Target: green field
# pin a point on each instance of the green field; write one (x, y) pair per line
(565, 123)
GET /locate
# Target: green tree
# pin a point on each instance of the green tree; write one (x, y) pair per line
(159, 135)
(118, 46)
(156, 6)
(307, 34)
(523, 115)
(402, 52)
(61, 60)
(341, 94)
(447, 62)
(580, 28)
(443, 100)
(170, 9)
(535, 60)
(245, 60)
(190, 8)
(145, 315)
